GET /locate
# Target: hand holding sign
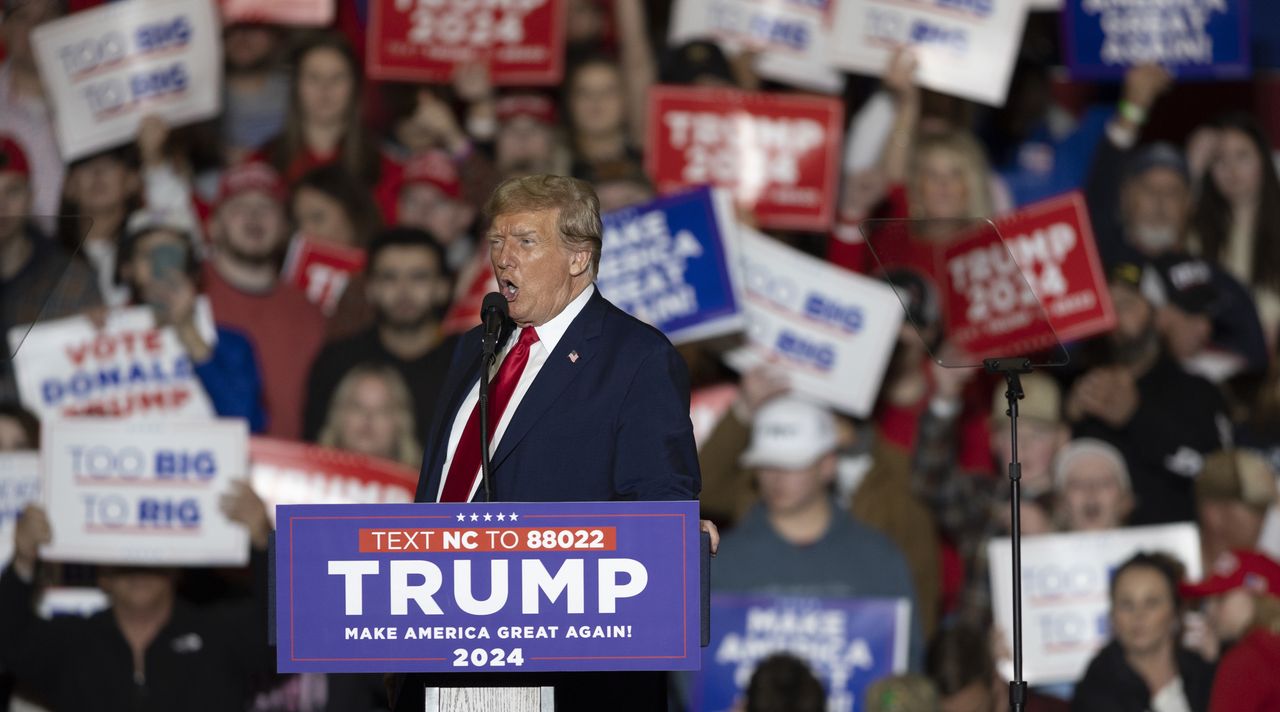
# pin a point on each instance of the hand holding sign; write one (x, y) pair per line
(32, 532)
(241, 504)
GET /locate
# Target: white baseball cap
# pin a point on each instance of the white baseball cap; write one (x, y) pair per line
(790, 433)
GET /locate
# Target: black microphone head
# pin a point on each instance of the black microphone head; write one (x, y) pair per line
(494, 300)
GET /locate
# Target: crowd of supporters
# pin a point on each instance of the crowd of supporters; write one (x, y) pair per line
(1174, 416)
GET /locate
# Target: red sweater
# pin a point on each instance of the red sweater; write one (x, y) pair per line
(1247, 679)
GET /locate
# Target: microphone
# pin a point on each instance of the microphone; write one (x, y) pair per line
(493, 314)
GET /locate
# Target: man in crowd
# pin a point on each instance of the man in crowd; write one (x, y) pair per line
(1162, 418)
(38, 281)
(872, 482)
(971, 507)
(1206, 318)
(243, 284)
(409, 287)
(1233, 494)
(525, 142)
(429, 197)
(812, 549)
(1092, 490)
(149, 650)
(256, 96)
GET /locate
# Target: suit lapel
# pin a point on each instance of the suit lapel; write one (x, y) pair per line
(556, 374)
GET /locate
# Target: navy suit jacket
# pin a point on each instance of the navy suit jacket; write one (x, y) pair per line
(611, 425)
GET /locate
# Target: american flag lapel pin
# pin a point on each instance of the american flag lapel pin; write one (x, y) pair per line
(573, 357)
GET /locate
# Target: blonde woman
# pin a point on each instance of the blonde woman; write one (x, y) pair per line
(372, 414)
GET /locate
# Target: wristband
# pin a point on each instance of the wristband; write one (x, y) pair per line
(1132, 113)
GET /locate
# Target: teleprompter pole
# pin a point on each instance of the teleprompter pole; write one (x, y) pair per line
(1012, 370)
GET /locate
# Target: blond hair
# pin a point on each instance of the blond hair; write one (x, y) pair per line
(578, 219)
(407, 449)
(977, 172)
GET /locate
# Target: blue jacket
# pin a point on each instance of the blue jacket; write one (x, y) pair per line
(612, 424)
(231, 378)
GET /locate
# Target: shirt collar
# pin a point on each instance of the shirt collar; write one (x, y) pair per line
(550, 333)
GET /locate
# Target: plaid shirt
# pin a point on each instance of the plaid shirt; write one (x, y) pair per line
(964, 504)
(51, 285)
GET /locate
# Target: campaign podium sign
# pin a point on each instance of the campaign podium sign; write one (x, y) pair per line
(488, 587)
(1194, 39)
(847, 642)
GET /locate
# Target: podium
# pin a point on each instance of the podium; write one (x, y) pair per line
(471, 593)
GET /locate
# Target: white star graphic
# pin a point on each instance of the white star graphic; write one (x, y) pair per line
(488, 517)
(514, 516)
(475, 517)
(462, 517)
(502, 517)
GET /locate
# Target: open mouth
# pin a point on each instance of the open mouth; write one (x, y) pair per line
(509, 289)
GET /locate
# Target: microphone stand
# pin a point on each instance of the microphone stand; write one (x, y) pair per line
(1011, 369)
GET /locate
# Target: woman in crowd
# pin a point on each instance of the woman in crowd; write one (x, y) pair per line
(328, 204)
(1237, 218)
(372, 414)
(1145, 667)
(597, 109)
(1242, 604)
(323, 124)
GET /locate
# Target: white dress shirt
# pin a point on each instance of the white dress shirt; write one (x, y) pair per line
(549, 334)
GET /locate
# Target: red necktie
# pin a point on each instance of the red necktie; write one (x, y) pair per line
(465, 467)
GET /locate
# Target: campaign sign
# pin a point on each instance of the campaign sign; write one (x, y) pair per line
(106, 68)
(127, 369)
(848, 643)
(1066, 581)
(521, 41)
(488, 587)
(1047, 254)
(669, 262)
(965, 47)
(1206, 39)
(143, 492)
(288, 472)
(321, 270)
(19, 486)
(298, 13)
(791, 37)
(777, 154)
(830, 329)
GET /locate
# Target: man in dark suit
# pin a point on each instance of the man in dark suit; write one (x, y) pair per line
(587, 403)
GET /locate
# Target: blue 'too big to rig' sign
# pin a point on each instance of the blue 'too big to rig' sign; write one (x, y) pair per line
(488, 587)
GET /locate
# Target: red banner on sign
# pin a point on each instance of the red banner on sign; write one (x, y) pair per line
(522, 42)
(991, 289)
(321, 270)
(778, 154)
(298, 13)
(287, 472)
(475, 281)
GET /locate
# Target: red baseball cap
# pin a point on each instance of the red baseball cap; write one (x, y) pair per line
(538, 107)
(12, 158)
(245, 177)
(1238, 569)
(434, 168)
